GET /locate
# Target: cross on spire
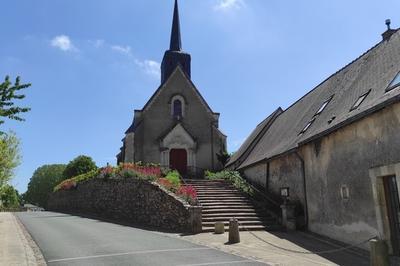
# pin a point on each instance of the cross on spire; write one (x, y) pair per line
(176, 43)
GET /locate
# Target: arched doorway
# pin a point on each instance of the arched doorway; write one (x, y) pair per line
(178, 160)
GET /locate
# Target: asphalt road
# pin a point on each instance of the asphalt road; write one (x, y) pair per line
(71, 240)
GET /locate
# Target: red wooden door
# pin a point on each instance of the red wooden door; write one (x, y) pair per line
(178, 160)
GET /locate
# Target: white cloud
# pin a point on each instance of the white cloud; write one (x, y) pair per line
(98, 43)
(225, 5)
(63, 42)
(150, 67)
(122, 49)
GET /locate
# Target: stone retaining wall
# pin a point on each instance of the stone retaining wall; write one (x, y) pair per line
(129, 200)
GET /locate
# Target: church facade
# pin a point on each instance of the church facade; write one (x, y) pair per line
(176, 128)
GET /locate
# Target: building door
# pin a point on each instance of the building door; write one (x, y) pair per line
(393, 210)
(178, 160)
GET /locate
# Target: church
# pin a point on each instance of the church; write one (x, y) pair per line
(176, 128)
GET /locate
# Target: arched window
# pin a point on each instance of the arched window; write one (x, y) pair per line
(177, 108)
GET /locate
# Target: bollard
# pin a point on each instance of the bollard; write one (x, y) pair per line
(234, 236)
(219, 228)
(379, 253)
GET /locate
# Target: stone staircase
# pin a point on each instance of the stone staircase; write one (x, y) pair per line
(221, 201)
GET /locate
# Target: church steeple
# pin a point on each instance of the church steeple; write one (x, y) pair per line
(176, 43)
(175, 57)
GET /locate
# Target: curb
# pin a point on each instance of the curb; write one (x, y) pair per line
(38, 256)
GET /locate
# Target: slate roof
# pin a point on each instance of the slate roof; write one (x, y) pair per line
(254, 137)
(373, 71)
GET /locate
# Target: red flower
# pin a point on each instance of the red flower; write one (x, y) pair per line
(188, 192)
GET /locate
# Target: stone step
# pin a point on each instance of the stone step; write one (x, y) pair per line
(210, 188)
(233, 208)
(243, 223)
(226, 205)
(224, 209)
(217, 191)
(222, 197)
(204, 181)
(224, 200)
(239, 218)
(212, 194)
(247, 228)
(235, 214)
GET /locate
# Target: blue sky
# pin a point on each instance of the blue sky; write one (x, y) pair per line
(92, 62)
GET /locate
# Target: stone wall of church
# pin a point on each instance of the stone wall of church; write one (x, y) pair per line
(131, 201)
(339, 189)
(157, 121)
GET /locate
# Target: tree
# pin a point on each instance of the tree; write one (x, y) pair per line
(42, 183)
(9, 197)
(9, 157)
(8, 94)
(78, 166)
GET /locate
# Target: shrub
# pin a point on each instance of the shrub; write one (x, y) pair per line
(107, 172)
(67, 184)
(165, 183)
(146, 172)
(188, 193)
(174, 177)
(233, 177)
(73, 182)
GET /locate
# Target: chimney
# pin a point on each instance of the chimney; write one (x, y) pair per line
(389, 32)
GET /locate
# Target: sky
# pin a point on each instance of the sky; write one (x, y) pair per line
(92, 62)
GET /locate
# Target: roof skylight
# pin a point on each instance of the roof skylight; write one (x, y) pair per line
(394, 83)
(323, 106)
(320, 110)
(307, 126)
(359, 101)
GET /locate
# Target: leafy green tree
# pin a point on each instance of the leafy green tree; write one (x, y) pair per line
(44, 179)
(9, 157)
(9, 197)
(78, 166)
(8, 94)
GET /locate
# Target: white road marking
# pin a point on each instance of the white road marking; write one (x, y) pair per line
(220, 263)
(127, 253)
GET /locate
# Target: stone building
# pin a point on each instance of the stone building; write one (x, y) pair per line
(176, 128)
(338, 150)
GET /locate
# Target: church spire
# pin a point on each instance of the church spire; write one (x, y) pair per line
(176, 43)
(175, 57)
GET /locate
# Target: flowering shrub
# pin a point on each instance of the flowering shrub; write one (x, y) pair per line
(166, 184)
(67, 184)
(73, 182)
(107, 172)
(170, 180)
(188, 193)
(146, 172)
(175, 178)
